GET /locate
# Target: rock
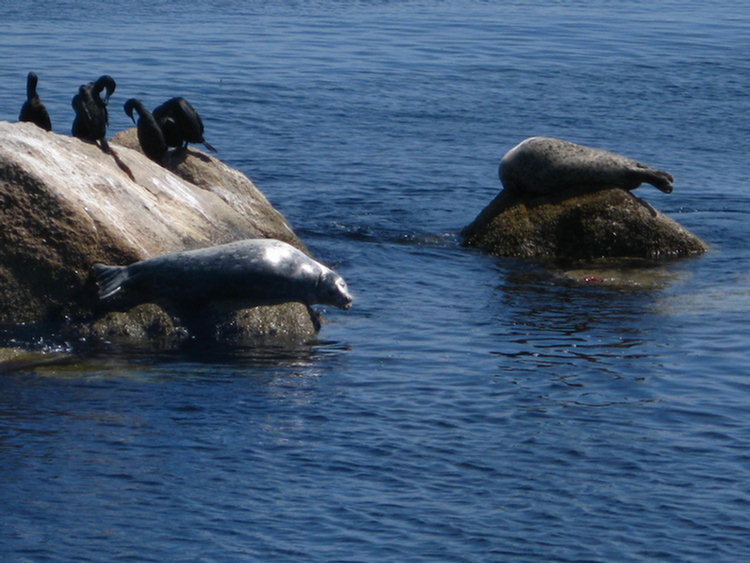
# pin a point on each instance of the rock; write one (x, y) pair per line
(578, 223)
(14, 359)
(229, 184)
(143, 323)
(620, 275)
(65, 205)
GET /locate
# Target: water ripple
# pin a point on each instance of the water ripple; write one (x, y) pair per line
(466, 408)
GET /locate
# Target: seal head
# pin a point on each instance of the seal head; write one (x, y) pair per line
(332, 290)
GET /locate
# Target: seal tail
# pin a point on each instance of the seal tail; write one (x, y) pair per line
(110, 279)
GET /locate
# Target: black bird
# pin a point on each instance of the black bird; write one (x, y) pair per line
(150, 135)
(180, 123)
(33, 109)
(92, 118)
(90, 123)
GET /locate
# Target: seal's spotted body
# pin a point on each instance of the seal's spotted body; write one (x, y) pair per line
(546, 165)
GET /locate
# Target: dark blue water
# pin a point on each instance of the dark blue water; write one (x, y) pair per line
(467, 408)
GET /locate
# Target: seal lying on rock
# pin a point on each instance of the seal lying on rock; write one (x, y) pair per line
(253, 271)
(545, 165)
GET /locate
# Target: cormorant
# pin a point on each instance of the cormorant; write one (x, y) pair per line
(180, 123)
(150, 135)
(33, 109)
(92, 118)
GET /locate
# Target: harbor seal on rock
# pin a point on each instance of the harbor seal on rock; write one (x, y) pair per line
(545, 165)
(253, 271)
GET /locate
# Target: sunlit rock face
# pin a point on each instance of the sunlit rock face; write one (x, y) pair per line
(231, 187)
(66, 204)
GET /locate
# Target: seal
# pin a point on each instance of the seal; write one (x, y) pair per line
(253, 271)
(545, 165)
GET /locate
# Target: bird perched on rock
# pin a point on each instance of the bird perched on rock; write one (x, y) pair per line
(90, 123)
(33, 109)
(180, 123)
(150, 135)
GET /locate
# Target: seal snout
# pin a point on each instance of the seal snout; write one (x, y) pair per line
(332, 290)
(345, 298)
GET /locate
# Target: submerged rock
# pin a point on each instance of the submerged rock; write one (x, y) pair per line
(66, 205)
(12, 359)
(620, 275)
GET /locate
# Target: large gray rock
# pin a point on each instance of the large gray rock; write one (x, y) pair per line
(67, 205)
(230, 185)
(578, 223)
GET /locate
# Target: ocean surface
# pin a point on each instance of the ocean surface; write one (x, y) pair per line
(467, 408)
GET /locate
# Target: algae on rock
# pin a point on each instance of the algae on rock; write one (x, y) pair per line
(578, 224)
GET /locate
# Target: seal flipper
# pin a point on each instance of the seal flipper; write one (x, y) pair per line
(314, 317)
(662, 181)
(658, 178)
(110, 279)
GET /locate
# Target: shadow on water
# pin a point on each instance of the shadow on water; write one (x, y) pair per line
(22, 350)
